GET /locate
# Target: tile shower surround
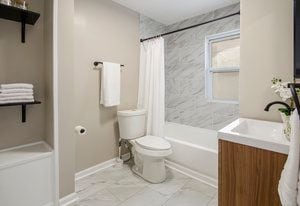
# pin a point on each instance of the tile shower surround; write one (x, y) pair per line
(185, 69)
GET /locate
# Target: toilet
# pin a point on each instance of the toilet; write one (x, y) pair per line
(148, 151)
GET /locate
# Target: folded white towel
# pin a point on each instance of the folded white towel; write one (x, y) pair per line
(16, 101)
(16, 86)
(288, 184)
(10, 91)
(28, 97)
(110, 84)
(4, 95)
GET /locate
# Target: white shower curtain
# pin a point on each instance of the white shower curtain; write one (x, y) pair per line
(151, 94)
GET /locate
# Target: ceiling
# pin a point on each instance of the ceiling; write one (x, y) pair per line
(172, 11)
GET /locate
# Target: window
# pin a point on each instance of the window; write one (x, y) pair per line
(222, 64)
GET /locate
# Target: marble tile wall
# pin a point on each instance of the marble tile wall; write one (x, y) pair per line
(185, 70)
(149, 27)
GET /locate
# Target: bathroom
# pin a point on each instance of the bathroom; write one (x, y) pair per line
(217, 58)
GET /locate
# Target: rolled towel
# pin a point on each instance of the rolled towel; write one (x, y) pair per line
(5, 95)
(11, 91)
(16, 86)
(16, 101)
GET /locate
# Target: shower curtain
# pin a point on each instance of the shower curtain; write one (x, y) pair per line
(151, 94)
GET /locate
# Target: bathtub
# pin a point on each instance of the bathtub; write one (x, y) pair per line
(195, 152)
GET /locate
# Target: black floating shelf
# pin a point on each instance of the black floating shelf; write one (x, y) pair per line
(19, 15)
(23, 105)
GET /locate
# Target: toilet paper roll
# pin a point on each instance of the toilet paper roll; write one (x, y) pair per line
(80, 130)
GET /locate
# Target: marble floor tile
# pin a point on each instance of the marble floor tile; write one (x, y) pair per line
(124, 192)
(118, 186)
(146, 197)
(169, 187)
(187, 197)
(103, 198)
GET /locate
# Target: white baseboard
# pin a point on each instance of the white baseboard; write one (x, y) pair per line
(193, 174)
(69, 200)
(94, 169)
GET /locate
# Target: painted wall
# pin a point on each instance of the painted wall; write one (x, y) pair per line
(185, 70)
(104, 31)
(23, 63)
(48, 65)
(66, 97)
(266, 52)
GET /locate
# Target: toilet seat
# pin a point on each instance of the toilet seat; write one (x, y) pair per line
(152, 147)
(153, 143)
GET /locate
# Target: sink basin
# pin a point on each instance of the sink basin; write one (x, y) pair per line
(256, 133)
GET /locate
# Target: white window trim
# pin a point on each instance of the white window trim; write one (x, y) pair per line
(208, 70)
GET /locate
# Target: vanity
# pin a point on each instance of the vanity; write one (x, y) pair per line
(252, 154)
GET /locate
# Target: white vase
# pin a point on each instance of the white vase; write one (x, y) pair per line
(286, 126)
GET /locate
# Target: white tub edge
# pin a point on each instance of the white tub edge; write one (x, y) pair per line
(191, 144)
(193, 174)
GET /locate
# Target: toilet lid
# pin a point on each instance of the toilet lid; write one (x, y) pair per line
(153, 143)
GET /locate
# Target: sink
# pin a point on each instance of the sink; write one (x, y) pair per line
(256, 133)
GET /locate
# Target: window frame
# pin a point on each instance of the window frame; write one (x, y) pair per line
(209, 71)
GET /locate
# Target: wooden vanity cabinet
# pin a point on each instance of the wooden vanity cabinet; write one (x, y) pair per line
(248, 176)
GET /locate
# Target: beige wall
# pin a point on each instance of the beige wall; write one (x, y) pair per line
(266, 52)
(66, 97)
(23, 63)
(48, 65)
(104, 31)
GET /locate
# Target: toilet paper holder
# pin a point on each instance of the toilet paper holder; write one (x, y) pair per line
(80, 130)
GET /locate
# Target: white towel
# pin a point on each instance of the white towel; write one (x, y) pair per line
(5, 95)
(27, 97)
(11, 91)
(288, 184)
(16, 101)
(16, 86)
(110, 84)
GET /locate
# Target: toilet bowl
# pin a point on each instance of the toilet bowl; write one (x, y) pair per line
(148, 151)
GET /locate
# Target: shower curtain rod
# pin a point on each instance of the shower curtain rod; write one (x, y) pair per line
(190, 27)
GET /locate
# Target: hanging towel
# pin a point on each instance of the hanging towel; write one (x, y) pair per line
(12, 91)
(110, 84)
(16, 86)
(288, 183)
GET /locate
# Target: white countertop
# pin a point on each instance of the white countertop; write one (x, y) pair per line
(256, 133)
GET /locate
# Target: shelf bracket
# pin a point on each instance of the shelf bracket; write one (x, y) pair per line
(23, 113)
(23, 29)
(23, 107)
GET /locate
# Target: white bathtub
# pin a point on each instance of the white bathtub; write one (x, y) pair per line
(195, 152)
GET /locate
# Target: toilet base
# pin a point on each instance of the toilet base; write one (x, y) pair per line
(150, 169)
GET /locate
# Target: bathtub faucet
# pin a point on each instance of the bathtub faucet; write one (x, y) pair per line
(278, 102)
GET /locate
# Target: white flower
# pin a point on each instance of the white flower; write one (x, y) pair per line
(285, 94)
(282, 89)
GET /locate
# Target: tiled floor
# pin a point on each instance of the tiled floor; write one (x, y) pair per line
(119, 186)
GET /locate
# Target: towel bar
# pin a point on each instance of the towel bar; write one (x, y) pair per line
(97, 63)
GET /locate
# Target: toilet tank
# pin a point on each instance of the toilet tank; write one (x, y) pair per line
(132, 123)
